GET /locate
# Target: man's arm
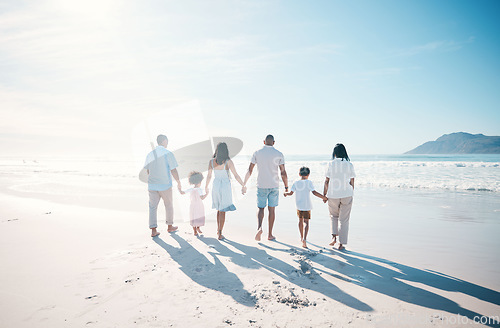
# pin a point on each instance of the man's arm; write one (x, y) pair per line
(247, 176)
(249, 173)
(175, 174)
(284, 177)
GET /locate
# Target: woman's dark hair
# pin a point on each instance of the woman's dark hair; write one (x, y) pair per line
(340, 152)
(195, 177)
(304, 171)
(221, 153)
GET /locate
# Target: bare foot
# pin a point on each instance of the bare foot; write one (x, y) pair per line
(334, 240)
(154, 234)
(271, 237)
(304, 244)
(196, 234)
(172, 228)
(341, 247)
(221, 237)
(199, 230)
(259, 233)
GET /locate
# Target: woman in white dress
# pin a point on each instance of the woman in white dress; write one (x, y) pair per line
(222, 198)
(339, 189)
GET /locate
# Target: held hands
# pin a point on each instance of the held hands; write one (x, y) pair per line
(325, 199)
(180, 188)
(243, 190)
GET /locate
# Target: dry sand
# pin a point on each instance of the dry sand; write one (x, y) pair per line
(65, 265)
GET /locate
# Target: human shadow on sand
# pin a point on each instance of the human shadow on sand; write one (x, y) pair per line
(255, 258)
(388, 278)
(203, 272)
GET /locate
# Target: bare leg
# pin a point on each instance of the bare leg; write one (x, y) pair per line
(154, 233)
(272, 216)
(260, 218)
(218, 222)
(341, 247)
(195, 231)
(301, 228)
(334, 240)
(222, 219)
(199, 230)
(306, 230)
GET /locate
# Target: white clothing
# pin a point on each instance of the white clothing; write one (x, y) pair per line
(302, 190)
(199, 190)
(340, 172)
(340, 213)
(268, 160)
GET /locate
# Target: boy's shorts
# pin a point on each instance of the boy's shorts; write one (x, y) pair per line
(267, 197)
(306, 215)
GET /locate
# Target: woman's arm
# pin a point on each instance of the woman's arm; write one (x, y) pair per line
(209, 176)
(352, 183)
(325, 189)
(236, 176)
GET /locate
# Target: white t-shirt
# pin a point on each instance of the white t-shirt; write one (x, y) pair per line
(268, 160)
(302, 190)
(340, 173)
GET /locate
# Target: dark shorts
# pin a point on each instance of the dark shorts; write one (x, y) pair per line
(306, 215)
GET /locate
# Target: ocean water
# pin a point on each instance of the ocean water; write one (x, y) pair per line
(451, 180)
(447, 173)
(427, 172)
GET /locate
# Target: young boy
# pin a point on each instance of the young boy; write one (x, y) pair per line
(303, 188)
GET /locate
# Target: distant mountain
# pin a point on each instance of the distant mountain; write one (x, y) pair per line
(460, 143)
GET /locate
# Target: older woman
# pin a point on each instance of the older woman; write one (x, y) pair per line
(339, 188)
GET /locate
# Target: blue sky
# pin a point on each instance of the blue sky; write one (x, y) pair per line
(379, 76)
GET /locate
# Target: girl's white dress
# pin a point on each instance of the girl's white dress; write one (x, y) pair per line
(196, 209)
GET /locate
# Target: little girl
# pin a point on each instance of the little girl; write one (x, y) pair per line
(196, 209)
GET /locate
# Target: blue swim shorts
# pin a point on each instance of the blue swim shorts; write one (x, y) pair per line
(267, 195)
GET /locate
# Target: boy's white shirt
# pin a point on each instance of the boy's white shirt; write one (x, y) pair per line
(302, 190)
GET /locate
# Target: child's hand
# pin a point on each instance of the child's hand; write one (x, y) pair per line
(243, 190)
(182, 192)
(284, 194)
(325, 199)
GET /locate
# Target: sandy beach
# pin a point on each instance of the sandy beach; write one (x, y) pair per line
(93, 92)
(89, 262)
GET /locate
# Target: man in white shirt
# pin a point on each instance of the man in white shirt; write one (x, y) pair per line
(271, 166)
(161, 166)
